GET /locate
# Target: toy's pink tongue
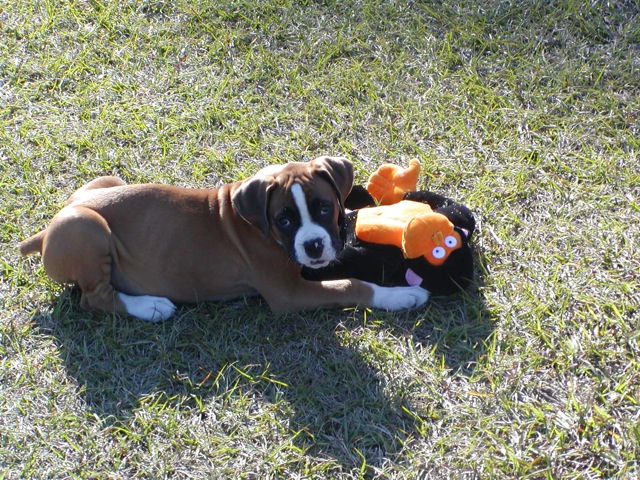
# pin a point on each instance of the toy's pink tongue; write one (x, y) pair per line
(412, 278)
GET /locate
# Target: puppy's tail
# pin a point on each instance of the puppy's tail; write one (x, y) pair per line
(32, 244)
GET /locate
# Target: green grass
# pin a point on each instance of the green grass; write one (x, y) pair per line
(528, 112)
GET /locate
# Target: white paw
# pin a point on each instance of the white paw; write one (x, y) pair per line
(147, 307)
(398, 298)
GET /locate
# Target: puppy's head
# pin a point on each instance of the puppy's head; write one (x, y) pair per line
(301, 205)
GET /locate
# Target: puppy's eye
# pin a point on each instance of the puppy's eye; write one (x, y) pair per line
(283, 221)
(325, 210)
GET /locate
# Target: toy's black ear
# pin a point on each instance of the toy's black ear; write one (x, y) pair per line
(339, 172)
(461, 217)
(358, 198)
(251, 201)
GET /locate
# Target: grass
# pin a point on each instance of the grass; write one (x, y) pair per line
(528, 112)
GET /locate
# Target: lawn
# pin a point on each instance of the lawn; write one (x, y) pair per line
(527, 112)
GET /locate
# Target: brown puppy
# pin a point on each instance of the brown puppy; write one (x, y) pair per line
(136, 249)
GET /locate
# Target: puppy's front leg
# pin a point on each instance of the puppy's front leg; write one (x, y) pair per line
(307, 295)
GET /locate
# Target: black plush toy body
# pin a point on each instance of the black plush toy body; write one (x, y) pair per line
(412, 238)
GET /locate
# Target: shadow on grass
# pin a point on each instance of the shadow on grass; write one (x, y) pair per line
(318, 373)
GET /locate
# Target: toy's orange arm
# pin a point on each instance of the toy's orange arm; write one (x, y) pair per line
(390, 183)
(385, 224)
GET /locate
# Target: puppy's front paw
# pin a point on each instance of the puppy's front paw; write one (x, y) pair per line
(398, 298)
(148, 307)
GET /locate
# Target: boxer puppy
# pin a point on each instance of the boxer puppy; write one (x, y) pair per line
(137, 249)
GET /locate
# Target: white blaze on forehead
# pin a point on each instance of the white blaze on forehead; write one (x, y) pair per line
(310, 231)
(301, 203)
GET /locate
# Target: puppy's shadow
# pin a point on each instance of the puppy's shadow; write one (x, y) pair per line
(340, 404)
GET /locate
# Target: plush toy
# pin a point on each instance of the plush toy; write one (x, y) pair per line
(396, 236)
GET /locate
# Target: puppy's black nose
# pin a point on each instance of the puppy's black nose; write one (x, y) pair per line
(313, 248)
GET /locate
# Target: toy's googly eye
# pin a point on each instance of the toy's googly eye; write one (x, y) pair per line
(439, 252)
(451, 241)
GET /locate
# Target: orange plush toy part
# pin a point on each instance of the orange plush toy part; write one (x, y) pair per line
(431, 235)
(385, 225)
(390, 183)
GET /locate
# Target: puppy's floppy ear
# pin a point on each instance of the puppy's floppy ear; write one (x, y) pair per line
(339, 172)
(251, 201)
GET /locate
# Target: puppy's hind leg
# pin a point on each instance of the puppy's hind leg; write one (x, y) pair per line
(78, 248)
